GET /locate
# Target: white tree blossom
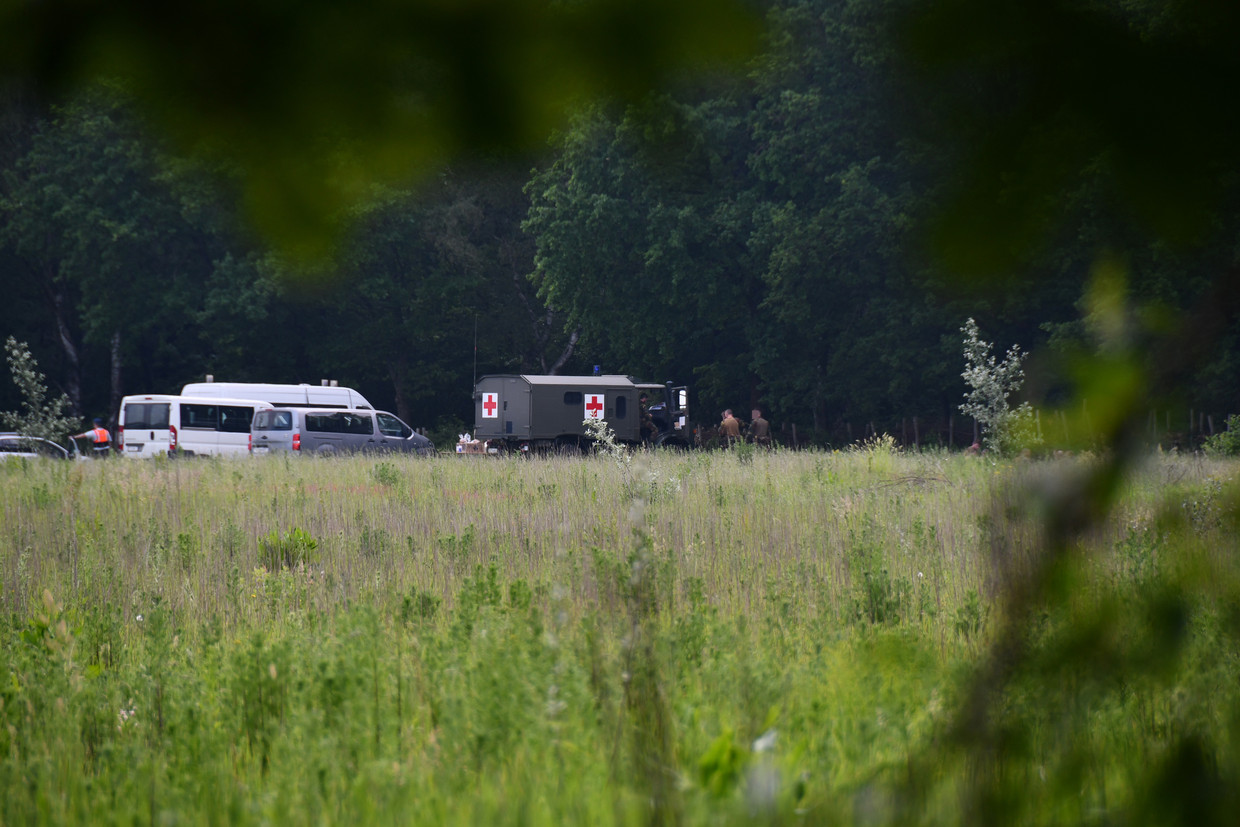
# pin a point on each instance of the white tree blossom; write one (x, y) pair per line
(990, 383)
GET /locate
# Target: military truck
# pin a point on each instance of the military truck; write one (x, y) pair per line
(547, 413)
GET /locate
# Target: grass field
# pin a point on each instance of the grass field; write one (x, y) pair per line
(864, 637)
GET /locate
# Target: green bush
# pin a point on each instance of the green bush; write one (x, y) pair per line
(1226, 444)
(295, 548)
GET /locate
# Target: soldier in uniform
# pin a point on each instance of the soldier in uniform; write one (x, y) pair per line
(649, 429)
(729, 429)
(760, 430)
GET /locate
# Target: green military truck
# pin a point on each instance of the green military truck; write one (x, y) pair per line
(525, 413)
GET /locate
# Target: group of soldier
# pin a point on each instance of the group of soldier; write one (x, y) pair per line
(759, 430)
(730, 429)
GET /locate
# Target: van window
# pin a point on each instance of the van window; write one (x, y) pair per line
(391, 426)
(339, 423)
(143, 415)
(200, 416)
(357, 424)
(273, 421)
(573, 398)
(323, 423)
(622, 406)
(235, 419)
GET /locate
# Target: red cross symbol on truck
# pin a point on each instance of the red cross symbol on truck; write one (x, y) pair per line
(594, 406)
(490, 402)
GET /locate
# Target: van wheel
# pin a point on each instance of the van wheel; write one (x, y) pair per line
(569, 447)
(326, 450)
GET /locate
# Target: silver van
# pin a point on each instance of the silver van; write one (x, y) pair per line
(332, 430)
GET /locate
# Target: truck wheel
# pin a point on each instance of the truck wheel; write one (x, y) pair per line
(569, 447)
(671, 442)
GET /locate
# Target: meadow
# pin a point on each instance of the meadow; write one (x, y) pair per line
(855, 637)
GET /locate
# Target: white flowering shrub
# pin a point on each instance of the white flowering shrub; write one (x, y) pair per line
(39, 416)
(1004, 429)
(605, 443)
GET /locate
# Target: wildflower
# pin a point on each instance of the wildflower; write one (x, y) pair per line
(138, 618)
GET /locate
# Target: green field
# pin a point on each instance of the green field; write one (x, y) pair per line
(858, 637)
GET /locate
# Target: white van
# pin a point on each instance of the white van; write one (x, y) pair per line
(288, 396)
(153, 424)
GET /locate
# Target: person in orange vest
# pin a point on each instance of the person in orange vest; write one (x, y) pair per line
(98, 435)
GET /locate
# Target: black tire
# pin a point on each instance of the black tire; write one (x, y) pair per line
(569, 446)
(671, 442)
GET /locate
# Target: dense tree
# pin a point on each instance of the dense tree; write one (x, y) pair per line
(756, 236)
(315, 106)
(89, 221)
(752, 235)
(424, 276)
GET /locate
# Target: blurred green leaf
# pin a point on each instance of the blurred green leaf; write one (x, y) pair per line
(314, 101)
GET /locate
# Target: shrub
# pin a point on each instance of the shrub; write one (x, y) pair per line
(385, 474)
(1226, 444)
(991, 382)
(40, 417)
(293, 549)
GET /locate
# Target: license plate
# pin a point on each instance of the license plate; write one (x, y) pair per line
(261, 449)
(135, 447)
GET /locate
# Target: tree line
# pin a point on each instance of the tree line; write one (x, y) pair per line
(760, 235)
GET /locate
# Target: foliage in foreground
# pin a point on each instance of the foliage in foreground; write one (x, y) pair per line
(792, 640)
(40, 417)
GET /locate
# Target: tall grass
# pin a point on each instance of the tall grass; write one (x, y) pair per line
(465, 640)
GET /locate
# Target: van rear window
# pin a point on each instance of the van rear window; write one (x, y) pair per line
(273, 421)
(146, 415)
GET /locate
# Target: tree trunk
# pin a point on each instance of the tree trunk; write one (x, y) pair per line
(115, 406)
(396, 371)
(567, 354)
(73, 373)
